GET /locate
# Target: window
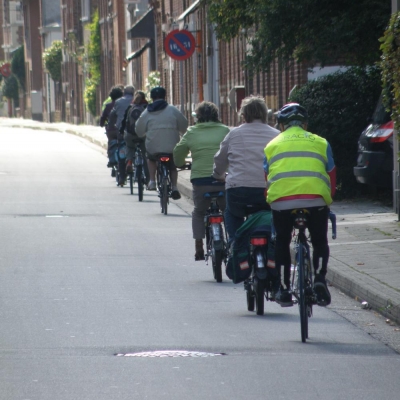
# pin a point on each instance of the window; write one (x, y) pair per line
(85, 10)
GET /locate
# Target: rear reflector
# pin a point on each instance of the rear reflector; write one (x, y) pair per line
(383, 133)
(258, 241)
(216, 220)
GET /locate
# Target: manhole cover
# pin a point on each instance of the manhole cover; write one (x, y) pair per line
(170, 353)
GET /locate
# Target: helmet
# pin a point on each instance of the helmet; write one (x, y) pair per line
(158, 92)
(292, 112)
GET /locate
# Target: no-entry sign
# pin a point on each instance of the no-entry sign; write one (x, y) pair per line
(179, 45)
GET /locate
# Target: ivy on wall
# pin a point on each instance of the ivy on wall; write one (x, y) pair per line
(52, 58)
(390, 61)
(93, 64)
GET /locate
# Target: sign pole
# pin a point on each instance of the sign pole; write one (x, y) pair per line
(182, 87)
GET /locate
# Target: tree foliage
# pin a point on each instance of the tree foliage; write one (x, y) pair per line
(94, 68)
(340, 106)
(317, 32)
(52, 58)
(18, 66)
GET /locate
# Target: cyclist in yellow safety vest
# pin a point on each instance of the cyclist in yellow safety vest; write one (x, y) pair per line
(300, 173)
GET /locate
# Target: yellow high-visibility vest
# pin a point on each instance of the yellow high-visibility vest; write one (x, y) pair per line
(297, 165)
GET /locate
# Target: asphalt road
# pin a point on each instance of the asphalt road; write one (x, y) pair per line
(89, 277)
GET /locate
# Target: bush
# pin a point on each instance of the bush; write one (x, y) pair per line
(340, 106)
(52, 58)
(10, 88)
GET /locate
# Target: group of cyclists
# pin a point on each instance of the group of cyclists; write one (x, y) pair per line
(255, 164)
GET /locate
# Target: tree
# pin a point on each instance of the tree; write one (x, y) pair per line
(316, 32)
(18, 66)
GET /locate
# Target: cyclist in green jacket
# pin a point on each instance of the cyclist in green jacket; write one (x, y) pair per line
(202, 141)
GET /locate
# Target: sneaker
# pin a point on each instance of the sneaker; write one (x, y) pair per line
(284, 298)
(175, 195)
(321, 290)
(152, 186)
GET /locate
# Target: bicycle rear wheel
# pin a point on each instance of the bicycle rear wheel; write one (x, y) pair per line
(139, 179)
(217, 257)
(259, 289)
(250, 298)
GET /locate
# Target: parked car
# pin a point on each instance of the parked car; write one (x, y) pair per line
(375, 150)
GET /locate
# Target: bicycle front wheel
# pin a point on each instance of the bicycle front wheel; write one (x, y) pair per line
(139, 179)
(164, 196)
(131, 180)
(302, 293)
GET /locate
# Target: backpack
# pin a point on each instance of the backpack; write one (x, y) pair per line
(132, 115)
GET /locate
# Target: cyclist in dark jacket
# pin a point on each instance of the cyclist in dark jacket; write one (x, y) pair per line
(139, 104)
(111, 130)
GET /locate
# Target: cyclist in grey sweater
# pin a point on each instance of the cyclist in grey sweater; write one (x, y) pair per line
(161, 124)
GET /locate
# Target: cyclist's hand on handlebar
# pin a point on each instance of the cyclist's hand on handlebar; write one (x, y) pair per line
(218, 179)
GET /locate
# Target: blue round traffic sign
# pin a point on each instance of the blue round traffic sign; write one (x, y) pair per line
(179, 45)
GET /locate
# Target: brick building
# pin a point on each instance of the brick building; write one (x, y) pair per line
(72, 75)
(215, 70)
(50, 30)
(113, 45)
(32, 106)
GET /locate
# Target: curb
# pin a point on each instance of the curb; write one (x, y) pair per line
(363, 288)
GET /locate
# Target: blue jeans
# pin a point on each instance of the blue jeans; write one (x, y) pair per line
(236, 201)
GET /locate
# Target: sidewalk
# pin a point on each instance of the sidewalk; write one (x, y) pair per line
(365, 257)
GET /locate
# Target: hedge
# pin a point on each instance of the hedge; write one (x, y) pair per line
(340, 107)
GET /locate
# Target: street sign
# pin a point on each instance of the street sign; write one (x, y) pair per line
(179, 45)
(5, 70)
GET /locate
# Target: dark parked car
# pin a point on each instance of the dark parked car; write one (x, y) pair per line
(375, 151)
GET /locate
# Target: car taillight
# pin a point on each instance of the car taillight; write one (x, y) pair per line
(216, 220)
(258, 241)
(164, 159)
(382, 133)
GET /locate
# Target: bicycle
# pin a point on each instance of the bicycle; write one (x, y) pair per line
(138, 174)
(163, 178)
(259, 285)
(302, 278)
(118, 169)
(216, 239)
